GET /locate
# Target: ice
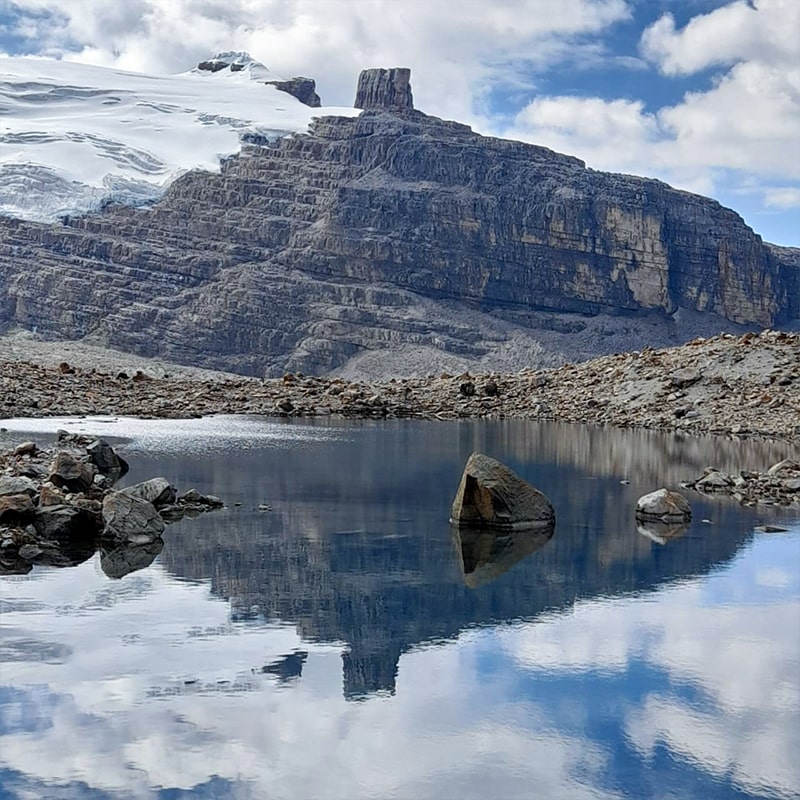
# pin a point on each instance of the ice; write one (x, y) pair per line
(74, 137)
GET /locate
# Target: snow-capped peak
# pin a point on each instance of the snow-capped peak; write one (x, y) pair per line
(75, 136)
(232, 62)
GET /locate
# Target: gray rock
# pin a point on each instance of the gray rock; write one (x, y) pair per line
(107, 460)
(490, 494)
(30, 551)
(62, 522)
(787, 465)
(683, 378)
(26, 449)
(715, 481)
(665, 505)
(158, 491)
(385, 89)
(379, 233)
(67, 472)
(17, 485)
(304, 89)
(130, 519)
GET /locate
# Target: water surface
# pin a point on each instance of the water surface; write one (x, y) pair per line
(331, 646)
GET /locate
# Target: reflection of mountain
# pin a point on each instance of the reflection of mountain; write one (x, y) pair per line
(358, 548)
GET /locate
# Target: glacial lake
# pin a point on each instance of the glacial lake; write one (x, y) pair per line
(319, 638)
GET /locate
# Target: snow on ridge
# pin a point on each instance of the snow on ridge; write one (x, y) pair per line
(74, 137)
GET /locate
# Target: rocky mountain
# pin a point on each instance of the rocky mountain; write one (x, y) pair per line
(394, 242)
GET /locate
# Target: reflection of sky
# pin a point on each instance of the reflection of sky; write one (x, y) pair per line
(112, 688)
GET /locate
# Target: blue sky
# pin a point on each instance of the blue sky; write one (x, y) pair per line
(704, 94)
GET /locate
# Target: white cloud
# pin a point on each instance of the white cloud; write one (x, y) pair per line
(765, 31)
(452, 52)
(746, 125)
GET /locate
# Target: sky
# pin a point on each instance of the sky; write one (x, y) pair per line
(703, 94)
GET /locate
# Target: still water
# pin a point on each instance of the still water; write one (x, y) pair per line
(330, 645)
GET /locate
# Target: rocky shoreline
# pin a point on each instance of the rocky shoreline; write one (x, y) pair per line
(742, 386)
(58, 505)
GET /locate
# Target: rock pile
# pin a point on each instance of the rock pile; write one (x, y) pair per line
(779, 485)
(731, 385)
(57, 506)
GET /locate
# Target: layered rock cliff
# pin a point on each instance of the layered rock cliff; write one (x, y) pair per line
(392, 229)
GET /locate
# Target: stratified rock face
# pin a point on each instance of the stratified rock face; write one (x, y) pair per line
(387, 230)
(491, 495)
(384, 89)
(304, 89)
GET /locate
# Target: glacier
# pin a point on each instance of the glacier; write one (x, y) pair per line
(75, 137)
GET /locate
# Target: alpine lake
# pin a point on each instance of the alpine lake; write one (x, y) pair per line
(329, 635)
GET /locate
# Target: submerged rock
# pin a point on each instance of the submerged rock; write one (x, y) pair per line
(665, 505)
(490, 494)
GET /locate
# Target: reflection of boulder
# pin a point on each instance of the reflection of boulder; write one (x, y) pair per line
(660, 531)
(486, 554)
(120, 561)
(490, 494)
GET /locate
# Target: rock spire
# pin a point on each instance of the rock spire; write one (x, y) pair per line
(385, 88)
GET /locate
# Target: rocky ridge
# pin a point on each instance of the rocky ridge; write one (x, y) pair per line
(392, 231)
(729, 385)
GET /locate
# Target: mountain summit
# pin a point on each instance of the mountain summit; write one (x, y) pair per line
(373, 243)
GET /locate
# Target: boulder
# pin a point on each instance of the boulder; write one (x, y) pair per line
(67, 472)
(663, 504)
(130, 519)
(63, 522)
(158, 491)
(492, 495)
(787, 465)
(17, 485)
(105, 458)
(16, 508)
(714, 481)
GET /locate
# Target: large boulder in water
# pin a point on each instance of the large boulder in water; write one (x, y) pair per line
(492, 495)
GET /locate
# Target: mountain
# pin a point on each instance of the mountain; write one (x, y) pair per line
(324, 242)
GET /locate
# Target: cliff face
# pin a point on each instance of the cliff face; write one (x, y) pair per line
(381, 230)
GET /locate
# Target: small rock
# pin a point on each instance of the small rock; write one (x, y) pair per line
(158, 491)
(30, 551)
(787, 465)
(26, 449)
(663, 504)
(16, 508)
(770, 529)
(130, 519)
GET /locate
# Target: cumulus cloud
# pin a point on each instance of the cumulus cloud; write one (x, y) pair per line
(745, 124)
(452, 54)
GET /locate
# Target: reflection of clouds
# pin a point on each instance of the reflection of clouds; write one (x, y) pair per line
(123, 717)
(744, 657)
